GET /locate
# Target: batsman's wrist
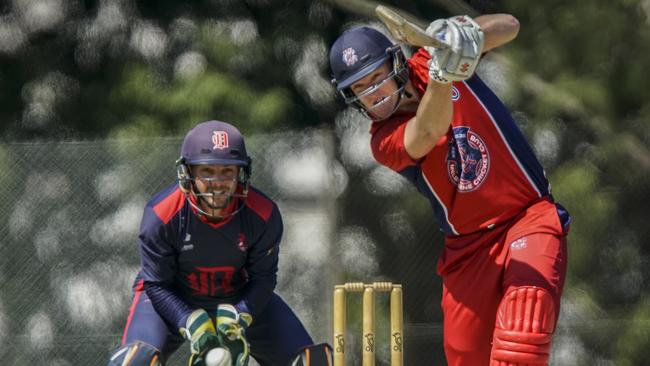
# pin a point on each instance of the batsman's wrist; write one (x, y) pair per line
(439, 79)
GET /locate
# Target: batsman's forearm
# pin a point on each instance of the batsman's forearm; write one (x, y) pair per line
(435, 110)
(498, 29)
(431, 121)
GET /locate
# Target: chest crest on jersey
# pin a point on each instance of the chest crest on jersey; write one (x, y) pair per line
(468, 160)
(241, 242)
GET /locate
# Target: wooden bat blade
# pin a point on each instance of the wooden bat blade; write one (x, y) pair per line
(405, 30)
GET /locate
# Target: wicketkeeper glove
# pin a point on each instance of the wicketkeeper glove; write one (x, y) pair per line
(200, 331)
(464, 39)
(231, 329)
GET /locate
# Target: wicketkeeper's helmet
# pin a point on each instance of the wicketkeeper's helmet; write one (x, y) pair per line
(213, 143)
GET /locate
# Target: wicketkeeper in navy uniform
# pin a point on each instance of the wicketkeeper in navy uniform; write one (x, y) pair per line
(209, 261)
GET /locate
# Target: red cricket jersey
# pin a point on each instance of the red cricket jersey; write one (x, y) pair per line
(481, 173)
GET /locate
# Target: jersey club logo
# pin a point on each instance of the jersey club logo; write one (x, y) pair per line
(468, 160)
(219, 140)
(241, 243)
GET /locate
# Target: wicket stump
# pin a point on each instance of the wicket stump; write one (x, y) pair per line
(396, 321)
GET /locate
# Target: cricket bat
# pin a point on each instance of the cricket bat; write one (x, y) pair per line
(404, 30)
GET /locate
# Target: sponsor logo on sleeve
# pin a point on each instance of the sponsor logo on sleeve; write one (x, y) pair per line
(519, 244)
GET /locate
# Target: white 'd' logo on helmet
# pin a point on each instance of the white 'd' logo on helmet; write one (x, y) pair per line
(220, 140)
(350, 56)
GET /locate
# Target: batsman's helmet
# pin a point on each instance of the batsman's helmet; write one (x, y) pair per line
(357, 53)
(213, 143)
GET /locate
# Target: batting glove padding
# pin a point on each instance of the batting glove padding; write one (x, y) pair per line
(231, 331)
(464, 39)
(202, 335)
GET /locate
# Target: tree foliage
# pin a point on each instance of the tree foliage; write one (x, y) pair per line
(575, 80)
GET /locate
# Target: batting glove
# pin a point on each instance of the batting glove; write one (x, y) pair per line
(464, 39)
(231, 329)
(200, 331)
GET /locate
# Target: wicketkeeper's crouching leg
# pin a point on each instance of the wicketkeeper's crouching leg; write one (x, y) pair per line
(524, 327)
(314, 355)
(135, 354)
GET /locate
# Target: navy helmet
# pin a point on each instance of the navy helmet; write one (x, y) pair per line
(357, 53)
(213, 143)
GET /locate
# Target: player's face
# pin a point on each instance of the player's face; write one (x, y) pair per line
(377, 91)
(216, 184)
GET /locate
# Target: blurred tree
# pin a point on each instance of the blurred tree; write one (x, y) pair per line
(575, 79)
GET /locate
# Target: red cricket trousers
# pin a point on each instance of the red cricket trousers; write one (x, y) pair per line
(478, 269)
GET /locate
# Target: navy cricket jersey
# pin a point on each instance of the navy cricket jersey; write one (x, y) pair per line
(188, 262)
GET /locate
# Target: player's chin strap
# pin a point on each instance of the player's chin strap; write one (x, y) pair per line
(186, 182)
(198, 197)
(368, 112)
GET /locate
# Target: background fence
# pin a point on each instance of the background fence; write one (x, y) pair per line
(71, 211)
(119, 72)
(69, 253)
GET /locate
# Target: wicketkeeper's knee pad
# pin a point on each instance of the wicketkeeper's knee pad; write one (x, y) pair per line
(524, 327)
(315, 355)
(136, 354)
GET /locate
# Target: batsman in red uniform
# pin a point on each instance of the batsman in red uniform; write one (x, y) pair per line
(436, 123)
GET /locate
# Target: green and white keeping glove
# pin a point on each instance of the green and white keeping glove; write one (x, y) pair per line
(231, 331)
(200, 331)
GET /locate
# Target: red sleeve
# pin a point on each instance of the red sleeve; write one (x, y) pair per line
(419, 67)
(387, 141)
(387, 144)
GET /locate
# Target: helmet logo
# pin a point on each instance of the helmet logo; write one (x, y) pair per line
(220, 140)
(350, 56)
